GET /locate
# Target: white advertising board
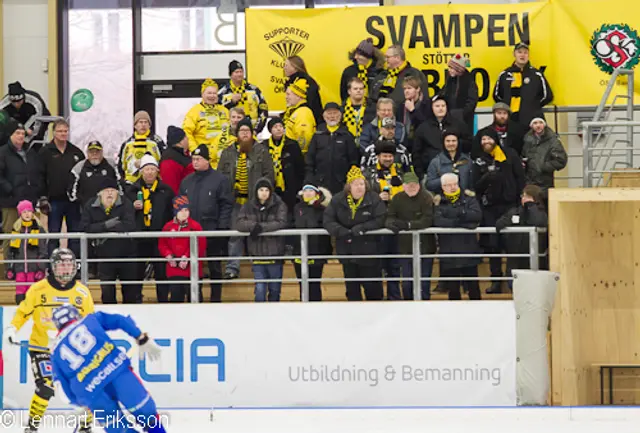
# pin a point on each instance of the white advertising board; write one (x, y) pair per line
(314, 355)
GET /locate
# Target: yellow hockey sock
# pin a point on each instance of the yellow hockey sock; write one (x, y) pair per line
(37, 409)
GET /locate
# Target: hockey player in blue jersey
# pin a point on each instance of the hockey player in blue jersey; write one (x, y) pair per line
(94, 373)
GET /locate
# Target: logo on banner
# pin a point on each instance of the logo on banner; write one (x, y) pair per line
(285, 42)
(615, 46)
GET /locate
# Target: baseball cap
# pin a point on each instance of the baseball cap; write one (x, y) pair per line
(389, 122)
(94, 145)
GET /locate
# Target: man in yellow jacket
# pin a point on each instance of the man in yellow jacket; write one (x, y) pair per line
(206, 120)
(299, 122)
(58, 289)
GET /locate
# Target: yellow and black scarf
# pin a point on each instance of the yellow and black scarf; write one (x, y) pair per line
(516, 88)
(390, 82)
(146, 200)
(354, 118)
(241, 90)
(26, 227)
(363, 75)
(275, 150)
(389, 178)
(453, 197)
(241, 185)
(290, 110)
(498, 154)
(354, 205)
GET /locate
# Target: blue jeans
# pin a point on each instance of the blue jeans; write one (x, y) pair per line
(64, 209)
(236, 245)
(406, 268)
(268, 272)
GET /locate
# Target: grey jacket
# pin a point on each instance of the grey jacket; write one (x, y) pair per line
(28, 249)
(272, 216)
(544, 155)
(259, 164)
(443, 164)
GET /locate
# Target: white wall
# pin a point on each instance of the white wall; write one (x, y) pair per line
(25, 27)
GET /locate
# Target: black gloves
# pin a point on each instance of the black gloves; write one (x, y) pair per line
(112, 223)
(255, 231)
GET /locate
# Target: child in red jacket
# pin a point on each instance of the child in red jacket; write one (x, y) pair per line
(176, 251)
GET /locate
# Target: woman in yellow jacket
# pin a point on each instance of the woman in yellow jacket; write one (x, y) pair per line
(206, 121)
(299, 122)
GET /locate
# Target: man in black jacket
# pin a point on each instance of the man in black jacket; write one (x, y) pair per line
(24, 106)
(87, 177)
(510, 132)
(19, 179)
(523, 88)
(56, 160)
(332, 152)
(152, 201)
(211, 203)
(111, 213)
(498, 180)
(428, 138)
(461, 91)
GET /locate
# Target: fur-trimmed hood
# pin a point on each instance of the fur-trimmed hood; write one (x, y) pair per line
(325, 197)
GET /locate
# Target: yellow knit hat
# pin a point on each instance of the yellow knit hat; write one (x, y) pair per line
(354, 173)
(208, 83)
(300, 87)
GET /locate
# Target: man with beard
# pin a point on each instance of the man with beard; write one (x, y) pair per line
(243, 165)
(228, 136)
(511, 133)
(332, 152)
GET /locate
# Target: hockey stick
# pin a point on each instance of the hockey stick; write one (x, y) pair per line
(31, 346)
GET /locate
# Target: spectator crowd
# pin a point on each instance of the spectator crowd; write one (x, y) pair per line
(386, 156)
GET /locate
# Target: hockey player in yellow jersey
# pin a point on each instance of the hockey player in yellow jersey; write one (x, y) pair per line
(299, 123)
(135, 147)
(241, 94)
(59, 288)
(206, 120)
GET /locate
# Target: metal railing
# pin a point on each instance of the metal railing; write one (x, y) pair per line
(305, 257)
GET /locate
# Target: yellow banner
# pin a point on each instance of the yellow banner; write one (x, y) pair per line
(561, 35)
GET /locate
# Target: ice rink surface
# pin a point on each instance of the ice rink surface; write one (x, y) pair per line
(432, 420)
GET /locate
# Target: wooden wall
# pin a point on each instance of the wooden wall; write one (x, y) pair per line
(595, 246)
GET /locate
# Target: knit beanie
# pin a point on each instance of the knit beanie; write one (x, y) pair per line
(13, 126)
(148, 159)
(108, 182)
(354, 173)
(300, 87)
(24, 205)
(273, 122)
(245, 122)
(491, 133)
(141, 115)
(459, 63)
(537, 119)
(16, 92)
(174, 135)
(208, 83)
(365, 48)
(234, 66)
(202, 151)
(180, 202)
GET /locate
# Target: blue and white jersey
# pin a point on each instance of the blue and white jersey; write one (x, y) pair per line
(85, 359)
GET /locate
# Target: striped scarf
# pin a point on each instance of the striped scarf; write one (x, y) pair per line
(363, 71)
(516, 88)
(26, 227)
(354, 205)
(242, 179)
(354, 118)
(390, 82)
(275, 150)
(290, 110)
(146, 207)
(389, 178)
(241, 90)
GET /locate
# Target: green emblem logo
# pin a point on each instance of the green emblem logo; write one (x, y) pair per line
(615, 46)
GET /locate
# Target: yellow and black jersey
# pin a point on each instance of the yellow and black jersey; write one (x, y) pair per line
(42, 298)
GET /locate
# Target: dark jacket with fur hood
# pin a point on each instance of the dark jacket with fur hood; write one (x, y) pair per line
(351, 71)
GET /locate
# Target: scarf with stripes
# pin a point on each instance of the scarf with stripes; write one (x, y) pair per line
(390, 82)
(363, 75)
(146, 200)
(353, 118)
(241, 90)
(389, 178)
(241, 185)
(26, 227)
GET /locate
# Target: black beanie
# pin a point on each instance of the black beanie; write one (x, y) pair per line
(492, 133)
(108, 182)
(273, 122)
(174, 135)
(234, 66)
(16, 92)
(263, 183)
(13, 126)
(245, 122)
(448, 132)
(386, 146)
(202, 151)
